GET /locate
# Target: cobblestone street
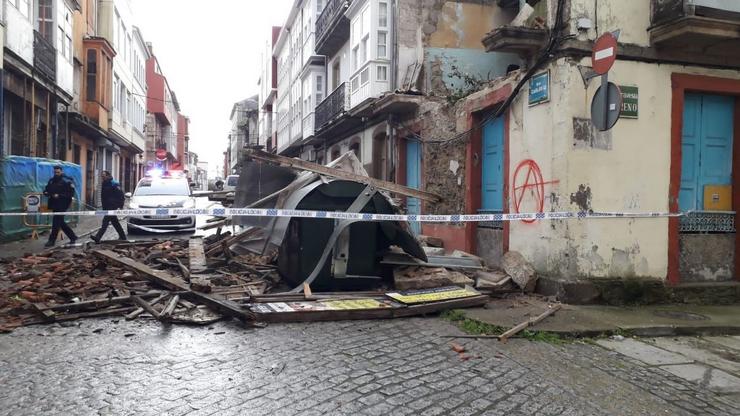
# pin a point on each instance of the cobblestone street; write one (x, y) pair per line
(371, 367)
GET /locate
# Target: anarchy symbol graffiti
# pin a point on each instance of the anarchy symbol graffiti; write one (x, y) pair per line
(531, 190)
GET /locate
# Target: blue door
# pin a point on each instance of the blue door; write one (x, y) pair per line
(413, 179)
(706, 147)
(492, 198)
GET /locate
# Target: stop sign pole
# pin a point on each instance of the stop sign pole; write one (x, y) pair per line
(607, 102)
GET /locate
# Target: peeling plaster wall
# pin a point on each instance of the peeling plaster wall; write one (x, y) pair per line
(630, 16)
(445, 37)
(631, 174)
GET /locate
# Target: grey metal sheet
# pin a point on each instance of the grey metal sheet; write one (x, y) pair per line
(403, 259)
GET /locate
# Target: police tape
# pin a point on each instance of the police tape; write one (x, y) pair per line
(164, 213)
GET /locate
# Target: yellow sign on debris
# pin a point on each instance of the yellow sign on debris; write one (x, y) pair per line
(433, 295)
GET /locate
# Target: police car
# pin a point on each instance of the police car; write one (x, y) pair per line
(162, 190)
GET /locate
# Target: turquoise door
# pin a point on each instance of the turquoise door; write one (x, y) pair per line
(706, 147)
(492, 181)
(413, 180)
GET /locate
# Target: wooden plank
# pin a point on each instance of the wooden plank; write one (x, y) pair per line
(434, 307)
(168, 281)
(139, 311)
(44, 312)
(219, 246)
(167, 312)
(515, 330)
(99, 303)
(197, 253)
(335, 173)
(147, 307)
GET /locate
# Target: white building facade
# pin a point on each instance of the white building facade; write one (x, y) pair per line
(301, 77)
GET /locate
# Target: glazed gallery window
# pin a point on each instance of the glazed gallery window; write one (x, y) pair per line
(92, 73)
(382, 44)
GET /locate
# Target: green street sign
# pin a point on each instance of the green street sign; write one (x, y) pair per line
(630, 102)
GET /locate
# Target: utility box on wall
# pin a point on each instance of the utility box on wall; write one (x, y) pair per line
(718, 197)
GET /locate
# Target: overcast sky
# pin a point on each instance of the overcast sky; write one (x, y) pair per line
(210, 53)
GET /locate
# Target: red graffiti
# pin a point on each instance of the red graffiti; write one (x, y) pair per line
(533, 186)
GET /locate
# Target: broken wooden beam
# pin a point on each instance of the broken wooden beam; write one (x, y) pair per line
(335, 173)
(140, 310)
(522, 326)
(146, 306)
(167, 312)
(98, 303)
(197, 255)
(170, 282)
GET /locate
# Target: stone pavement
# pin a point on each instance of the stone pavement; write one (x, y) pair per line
(711, 362)
(392, 367)
(593, 320)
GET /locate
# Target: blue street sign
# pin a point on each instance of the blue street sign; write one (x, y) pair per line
(539, 88)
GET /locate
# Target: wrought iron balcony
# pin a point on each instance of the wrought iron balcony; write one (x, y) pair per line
(695, 24)
(44, 56)
(335, 105)
(332, 27)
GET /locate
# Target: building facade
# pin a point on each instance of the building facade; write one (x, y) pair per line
(244, 131)
(161, 119)
(489, 105)
(300, 77)
(127, 116)
(268, 94)
(37, 75)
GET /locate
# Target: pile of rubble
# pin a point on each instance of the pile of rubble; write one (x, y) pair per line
(118, 278)
(266, 271)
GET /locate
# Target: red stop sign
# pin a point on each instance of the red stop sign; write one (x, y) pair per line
(604, 53)
(161, 154)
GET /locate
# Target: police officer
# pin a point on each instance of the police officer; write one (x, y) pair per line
(113, 198)
(60, 191)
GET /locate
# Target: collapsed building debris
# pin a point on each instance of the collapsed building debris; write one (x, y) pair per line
(264, 269)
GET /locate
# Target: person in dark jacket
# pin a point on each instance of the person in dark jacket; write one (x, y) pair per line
(113, 198)
(60, 190)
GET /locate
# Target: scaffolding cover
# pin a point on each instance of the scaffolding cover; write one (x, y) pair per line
(20, 175)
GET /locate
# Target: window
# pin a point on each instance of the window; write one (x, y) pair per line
(382, 44)
(355, 84)
(363, 50)
(116, 93)
(319, 88)
(382, 73)
(355, 53)
(319, 6)
(383, 14)
(92, 71)
(46, 20)
(365, 76)
(22, 6)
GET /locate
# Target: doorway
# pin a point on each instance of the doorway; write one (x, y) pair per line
(413, 180)
(706, 236)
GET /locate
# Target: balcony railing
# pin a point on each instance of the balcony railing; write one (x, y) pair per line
(332, 27)
(336, 104)
(44, 56)
(709, 26)
(664, 11)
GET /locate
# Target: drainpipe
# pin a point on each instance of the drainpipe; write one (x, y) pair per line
(3, 8)
(394, 40)
(2, 108)
(56, 149)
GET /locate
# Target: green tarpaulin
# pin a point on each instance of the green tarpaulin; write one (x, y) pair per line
(20, 175)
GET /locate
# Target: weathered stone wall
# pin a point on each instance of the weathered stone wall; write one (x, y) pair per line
(443, 164)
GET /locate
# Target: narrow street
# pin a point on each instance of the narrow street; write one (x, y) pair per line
(403, 367)
(370, 207)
